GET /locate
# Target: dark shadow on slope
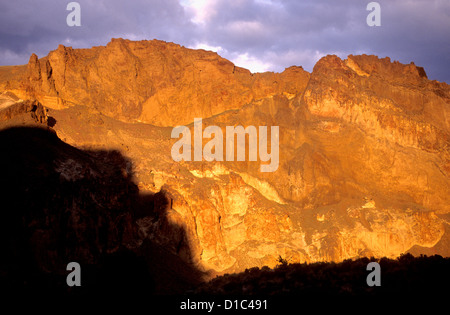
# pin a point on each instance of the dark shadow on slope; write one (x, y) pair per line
(173, 271)
(60, 204)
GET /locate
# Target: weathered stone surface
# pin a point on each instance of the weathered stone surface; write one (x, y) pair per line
(150, 81)
(364, 149)
(10, 109)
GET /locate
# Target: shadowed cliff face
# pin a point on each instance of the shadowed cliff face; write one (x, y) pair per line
(364, 150)
(61, 204)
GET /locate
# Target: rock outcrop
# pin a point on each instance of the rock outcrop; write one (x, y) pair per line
(150, 81)
(10, 108)
(364, 150)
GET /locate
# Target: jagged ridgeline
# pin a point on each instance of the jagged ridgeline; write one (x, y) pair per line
(363, 152)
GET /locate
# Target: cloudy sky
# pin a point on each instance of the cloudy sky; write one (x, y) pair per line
(261, 35)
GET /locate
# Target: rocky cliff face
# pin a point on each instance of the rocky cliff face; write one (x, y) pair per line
(364, 150)
(152, 81)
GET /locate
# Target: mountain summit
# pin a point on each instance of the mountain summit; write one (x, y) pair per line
(364, 164)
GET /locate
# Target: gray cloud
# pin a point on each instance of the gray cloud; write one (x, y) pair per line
(39, 26)
(410, 31)
(272, 33)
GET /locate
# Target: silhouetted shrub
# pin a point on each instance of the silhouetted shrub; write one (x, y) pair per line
(404, 276)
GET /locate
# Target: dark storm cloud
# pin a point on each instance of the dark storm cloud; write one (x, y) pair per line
(39, 26)
(266, 34)
(282, 33)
